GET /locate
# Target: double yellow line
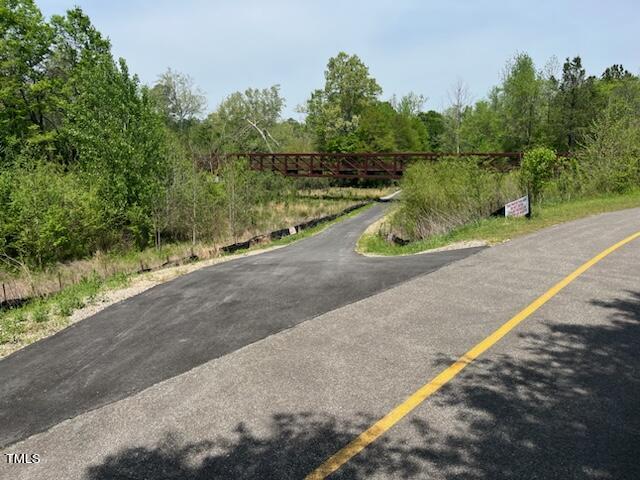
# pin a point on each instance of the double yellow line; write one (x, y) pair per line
(394, 416)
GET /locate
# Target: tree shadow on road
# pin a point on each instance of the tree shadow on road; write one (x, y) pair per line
(294, 446)
(567, 406)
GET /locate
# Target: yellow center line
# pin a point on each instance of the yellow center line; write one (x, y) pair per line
(394, 416)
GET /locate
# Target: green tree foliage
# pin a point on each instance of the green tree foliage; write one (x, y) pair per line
(520, 101)
(119, 144)
(539, 166)
(435, 126)
(293, 136)
(529, 108)
(346, 116)
(26, 89)
(48, 214)
(177, 98)
(67, 102)
(575, 106)
(244, 121)
(410, 132)
(381, 128)
(609, 159)
(375, 130)
(333, 112)
(481, 129)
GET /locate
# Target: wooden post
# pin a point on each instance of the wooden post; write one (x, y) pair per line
(4, 292)
(59, 280)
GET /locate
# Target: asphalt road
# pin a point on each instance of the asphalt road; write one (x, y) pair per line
(174, 327)
(557, 398)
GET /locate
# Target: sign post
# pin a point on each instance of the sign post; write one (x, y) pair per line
(518, 208)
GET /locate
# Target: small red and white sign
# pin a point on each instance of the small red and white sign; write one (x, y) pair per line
(517, 208)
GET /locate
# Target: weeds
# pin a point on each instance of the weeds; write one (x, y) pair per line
(498, 229)
(22, 282)
(40, 312)
(437, 197)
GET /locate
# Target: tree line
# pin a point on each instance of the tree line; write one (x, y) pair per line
(92, 159)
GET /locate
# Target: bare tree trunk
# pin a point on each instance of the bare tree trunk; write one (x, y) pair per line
(459, 100)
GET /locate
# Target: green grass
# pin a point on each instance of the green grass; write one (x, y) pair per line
(496, 230)
(41, 313)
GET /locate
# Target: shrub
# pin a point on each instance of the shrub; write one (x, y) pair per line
(438, 196)
(539, 166)
(610, 155)
(50, 215)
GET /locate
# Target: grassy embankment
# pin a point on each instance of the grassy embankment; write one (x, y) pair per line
(47, 314)
(495, 230)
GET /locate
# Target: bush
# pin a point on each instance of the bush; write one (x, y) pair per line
(438, 196)
(539, 166)
(610, 156)
(50, 215)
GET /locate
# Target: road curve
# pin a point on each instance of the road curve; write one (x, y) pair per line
(177, 326)
(556, 398)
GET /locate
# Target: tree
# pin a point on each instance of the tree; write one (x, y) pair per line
(376, 128)
(616, 72)
(458, 102)
(520, 103)
(75, 37)
(244, 121)
(434, 124)
(410, 104)
(178, 99)
(293, 136)
(333, 112)
(119, 141)
(348, 84)
(575, 105)
(383, 129)
(480, 130)
(25, 98)
(410, 133)
(76, 126)
(609, 153)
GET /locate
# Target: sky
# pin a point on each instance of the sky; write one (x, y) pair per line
(420, 46)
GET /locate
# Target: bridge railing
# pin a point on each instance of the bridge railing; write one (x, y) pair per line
(356, 165)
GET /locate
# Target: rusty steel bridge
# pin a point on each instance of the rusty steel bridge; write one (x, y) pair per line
(384, 166)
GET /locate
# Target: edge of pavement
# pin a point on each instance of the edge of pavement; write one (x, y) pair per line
(360, 359)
